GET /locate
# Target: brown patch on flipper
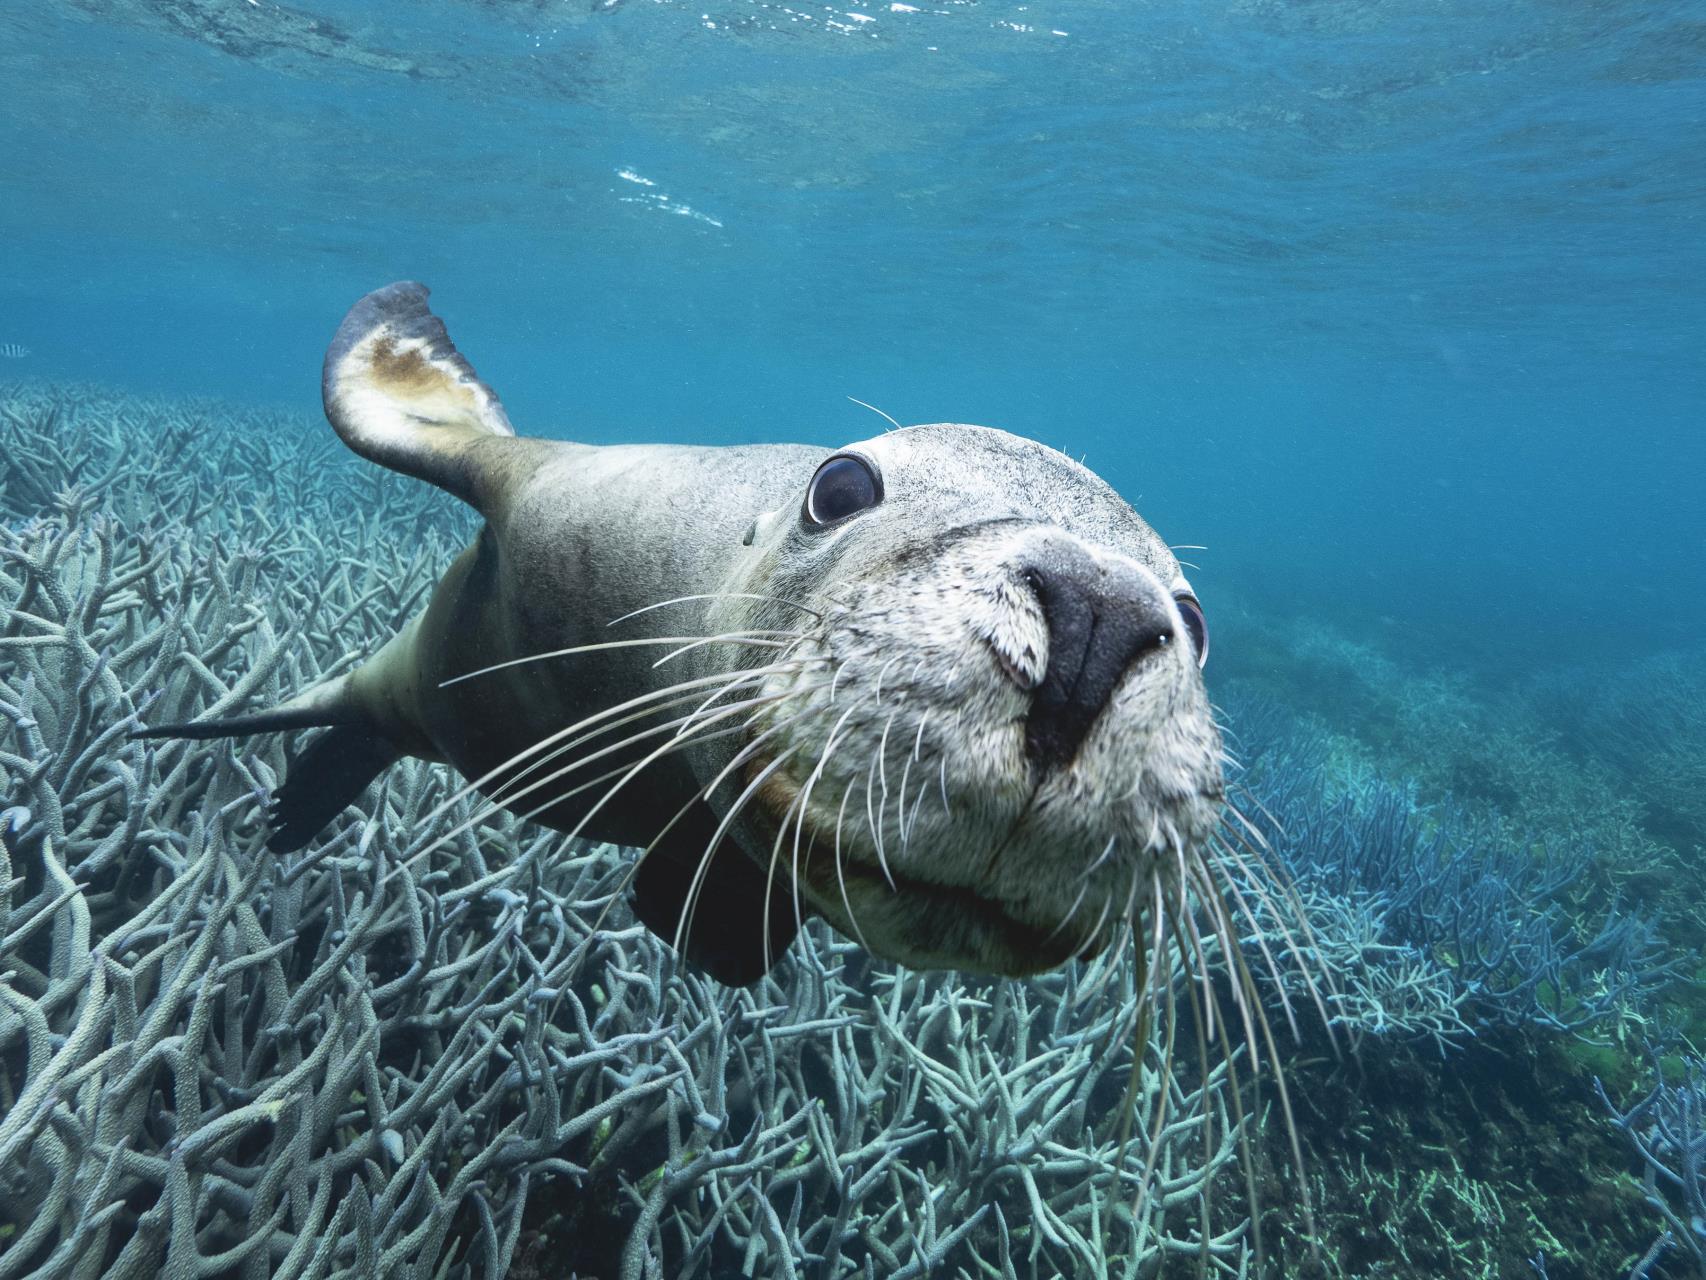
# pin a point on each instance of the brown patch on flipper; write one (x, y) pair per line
(403, 371)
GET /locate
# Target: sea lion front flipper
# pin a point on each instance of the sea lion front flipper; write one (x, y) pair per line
(730, 937)
(399, 393)
(330, 773)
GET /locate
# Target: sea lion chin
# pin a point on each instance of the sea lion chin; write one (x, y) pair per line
(940, 687)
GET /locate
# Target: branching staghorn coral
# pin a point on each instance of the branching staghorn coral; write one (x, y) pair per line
(214, 1061)
(1667, 1130)
(1481, 912)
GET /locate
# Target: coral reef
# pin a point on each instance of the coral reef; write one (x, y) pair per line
(359, 1061)
(1667, 1129)
(1466, 910)
(218, 1062)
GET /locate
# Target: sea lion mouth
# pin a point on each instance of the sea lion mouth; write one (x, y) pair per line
(918, 920)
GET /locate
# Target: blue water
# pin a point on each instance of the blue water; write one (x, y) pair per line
(1396, 307)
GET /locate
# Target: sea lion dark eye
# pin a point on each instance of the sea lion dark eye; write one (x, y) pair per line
(1196, 624)
(843, 486)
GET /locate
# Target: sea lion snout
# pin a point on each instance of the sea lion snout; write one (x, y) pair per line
(1103, 616)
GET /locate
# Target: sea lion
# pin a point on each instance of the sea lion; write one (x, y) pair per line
(941, 686)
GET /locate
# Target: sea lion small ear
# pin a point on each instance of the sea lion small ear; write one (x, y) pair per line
(399, 393)
(761, 526)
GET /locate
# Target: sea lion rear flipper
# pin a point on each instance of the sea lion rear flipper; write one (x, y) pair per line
(729, 929)
(329, 774)
(326, 703)
(399, 393)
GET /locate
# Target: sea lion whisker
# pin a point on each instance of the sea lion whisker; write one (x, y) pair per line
(1265, 880)
(551, 739)
(1187, 919)
(732, 637)
(805, 801)
(795, 805)
(1160, 974)
(906, 771)
(690, 736)
(1255, 834)
(1230, 886)
(873, 408)
(1091, 934)
(685, 740)
(909, 826)
(1092, 990)
(740, 757)
(840, 670)
(703, 793)
(882, 673)
(759, 640)
(1286, 904)
(504, 790)
(1128, 924)
(1071, 912)
(1251, 1001)
(1245, 998)
(1101, 858)
(883, 761)
(874, 819)
(507, 790)
(1257, 1028)
(716, 595)
(696, 886)
(840, 866)
(1204, 1009)
(674, 744)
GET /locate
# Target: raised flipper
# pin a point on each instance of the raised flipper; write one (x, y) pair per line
(399, 393)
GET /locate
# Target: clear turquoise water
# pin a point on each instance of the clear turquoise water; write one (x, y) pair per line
(1397, 307)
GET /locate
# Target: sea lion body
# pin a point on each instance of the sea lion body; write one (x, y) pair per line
(940, 686)
(592, 534)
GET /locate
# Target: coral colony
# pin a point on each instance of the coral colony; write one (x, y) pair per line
(215, 1061)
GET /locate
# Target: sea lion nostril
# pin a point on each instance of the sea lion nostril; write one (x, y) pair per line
(1101, 619)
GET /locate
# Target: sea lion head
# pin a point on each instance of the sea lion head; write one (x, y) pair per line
(986, 744)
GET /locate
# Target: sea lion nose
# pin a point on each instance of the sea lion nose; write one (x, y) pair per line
(1101, 618)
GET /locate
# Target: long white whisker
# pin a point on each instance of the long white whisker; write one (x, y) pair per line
(805, 800)
(732, 637)
(674, 743)
(717, 595)
(1101, 859)
(751, 639)
(873, 408)
(685, 926)
(873, 820)
(840, 868)
(506, 789)
(1072, 911)
(704, 793)
(551, 740)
